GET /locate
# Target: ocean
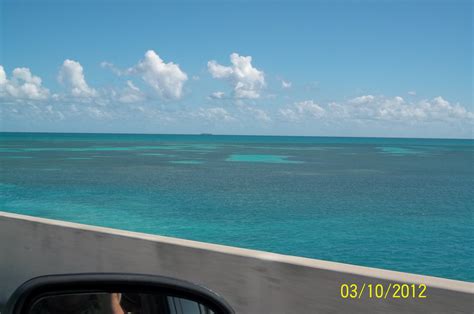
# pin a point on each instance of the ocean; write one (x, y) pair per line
(398, 204)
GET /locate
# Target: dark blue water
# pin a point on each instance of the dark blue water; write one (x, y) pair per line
(400, 204)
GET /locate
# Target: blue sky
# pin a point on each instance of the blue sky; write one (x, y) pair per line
(356, 68)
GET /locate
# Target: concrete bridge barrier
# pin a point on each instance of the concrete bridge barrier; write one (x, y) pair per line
(251, 281)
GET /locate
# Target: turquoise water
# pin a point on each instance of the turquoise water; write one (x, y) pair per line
(278, 159)
(400, 204)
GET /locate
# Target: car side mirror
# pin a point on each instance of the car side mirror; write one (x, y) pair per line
(113, 294)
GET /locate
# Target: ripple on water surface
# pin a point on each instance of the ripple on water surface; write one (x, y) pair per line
(17, 157)
(7, 185)
(153, 154)
(400, 151)
(187, 162)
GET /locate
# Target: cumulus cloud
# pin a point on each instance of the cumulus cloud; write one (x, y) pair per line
(22, 85)
(3, 76)
(397, 108)
(214, 114)
(71, 75)
(246, 80)
(439, 108)
(381, 108)
(166, 79)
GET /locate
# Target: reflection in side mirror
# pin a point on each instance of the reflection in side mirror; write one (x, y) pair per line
(113, 294)
(117, 303)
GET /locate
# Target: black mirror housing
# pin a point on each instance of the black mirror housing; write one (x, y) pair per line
(27, 296)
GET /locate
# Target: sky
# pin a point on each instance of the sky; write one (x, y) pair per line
(318, 68)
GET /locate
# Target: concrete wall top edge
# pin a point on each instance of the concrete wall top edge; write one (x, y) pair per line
(442, 283)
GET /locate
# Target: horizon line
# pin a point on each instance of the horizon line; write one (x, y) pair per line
(247, 135)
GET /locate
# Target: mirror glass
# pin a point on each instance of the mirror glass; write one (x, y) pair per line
(117, 303)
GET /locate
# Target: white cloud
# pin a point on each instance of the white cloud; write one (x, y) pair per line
(166, 79)
(286, 84)
(412, 93)
(217, 95)
(303, 109)
(112, 67)
(71, 75)
(396, 108)
(131, 94)
(246, 80)
(214, 114)
(219, 71)
(381, 108)
(310, 108)
(22, 85)
(3, 76)
(439, 108)
(362, 99)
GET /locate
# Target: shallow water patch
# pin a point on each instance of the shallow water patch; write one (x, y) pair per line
(298, 148)
(262, 158)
